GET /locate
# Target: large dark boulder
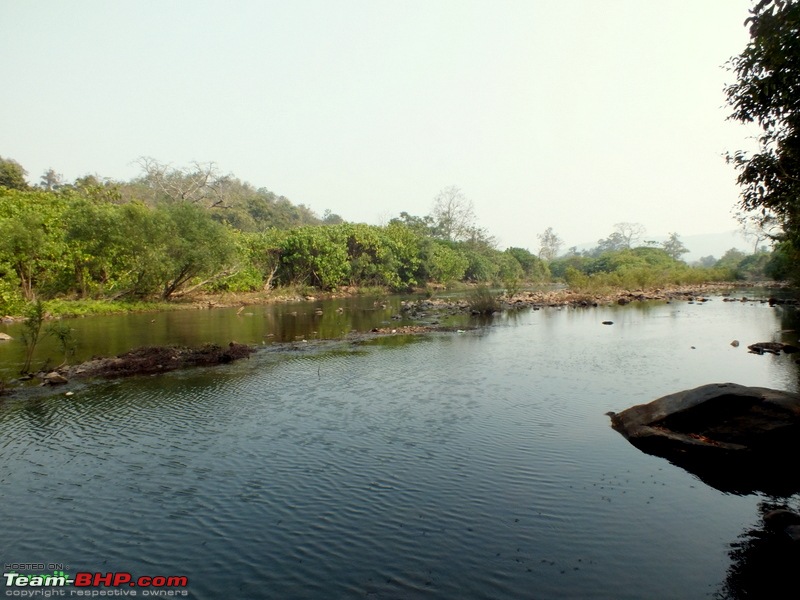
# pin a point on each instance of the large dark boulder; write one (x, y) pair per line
(738, 439)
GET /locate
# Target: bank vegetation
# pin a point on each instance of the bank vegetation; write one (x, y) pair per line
(104, 246)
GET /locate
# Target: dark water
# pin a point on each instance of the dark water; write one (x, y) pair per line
(472, 465)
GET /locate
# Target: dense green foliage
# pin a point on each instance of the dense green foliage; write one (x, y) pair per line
(102, 242)
(12, 175)
(767, 93)
(99, 243)
(631, 269)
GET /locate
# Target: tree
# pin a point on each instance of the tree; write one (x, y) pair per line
(331, 218)
(199, 184)
(767, 92)
(612, 243)
(50, 180)
(423, 226)
(674, 246)
(707, 261)
(731, 261)
(12, 175)
(625, 235)
(549, 244)
(532, 267)
(444, 264)
(629, 233)
(758, 229)
(453, 214)
(195, 244)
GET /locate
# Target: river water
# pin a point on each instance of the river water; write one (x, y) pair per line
(453, 465)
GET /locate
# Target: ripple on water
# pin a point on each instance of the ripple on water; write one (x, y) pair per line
(472, 465)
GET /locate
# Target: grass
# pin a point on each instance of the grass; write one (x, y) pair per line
(482, 301)
(81, 308)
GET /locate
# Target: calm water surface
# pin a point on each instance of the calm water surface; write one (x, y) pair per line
(471, 465)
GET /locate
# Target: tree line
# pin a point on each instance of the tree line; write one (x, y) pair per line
(171, 231)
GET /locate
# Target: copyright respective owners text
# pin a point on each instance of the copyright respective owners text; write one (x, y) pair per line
(61, 580)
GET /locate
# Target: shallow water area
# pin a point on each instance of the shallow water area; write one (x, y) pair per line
(455, 465)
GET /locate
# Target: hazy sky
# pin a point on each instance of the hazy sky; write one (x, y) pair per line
(575, 115)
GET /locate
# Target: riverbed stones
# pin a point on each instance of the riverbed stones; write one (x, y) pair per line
(739, 439)
(4, 337)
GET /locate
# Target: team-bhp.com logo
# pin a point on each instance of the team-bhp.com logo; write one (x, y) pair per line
(93, 584)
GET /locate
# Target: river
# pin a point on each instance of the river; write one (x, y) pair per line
(477, 464)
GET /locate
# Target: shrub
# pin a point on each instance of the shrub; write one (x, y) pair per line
(483, 302)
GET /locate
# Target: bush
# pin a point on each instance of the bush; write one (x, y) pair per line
(483, 302)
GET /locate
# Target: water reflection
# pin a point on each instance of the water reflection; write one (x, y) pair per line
(763, 561)
(256, 324)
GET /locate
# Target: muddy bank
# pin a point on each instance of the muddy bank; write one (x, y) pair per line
(158, 359)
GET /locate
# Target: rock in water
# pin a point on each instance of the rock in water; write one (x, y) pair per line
(54, 378)
(738, 439)
(5, 337)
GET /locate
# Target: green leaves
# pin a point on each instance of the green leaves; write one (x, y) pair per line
(767, 92)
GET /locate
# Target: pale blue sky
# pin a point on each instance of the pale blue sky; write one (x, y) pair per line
(575, 115)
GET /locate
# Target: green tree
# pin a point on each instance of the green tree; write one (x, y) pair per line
(407, 247)
(12, 175)
(196, 246)
(315, 256)
(612, 243)
(32, 239)
(532, 267)
(767, 92)
(707, 261)
(674, 246)
(442, 263)
(730, 262)
(784, 263)
(421, 226)
(331, 218)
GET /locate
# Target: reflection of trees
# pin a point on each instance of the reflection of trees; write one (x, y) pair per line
(764, 562)
(790, 325)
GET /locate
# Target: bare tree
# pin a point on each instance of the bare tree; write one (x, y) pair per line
(454, 214)
(629, 233)
(200, 183)
(549, 244)
(758, 228)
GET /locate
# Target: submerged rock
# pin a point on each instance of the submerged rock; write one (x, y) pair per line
(5, 337)
(736, 438)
